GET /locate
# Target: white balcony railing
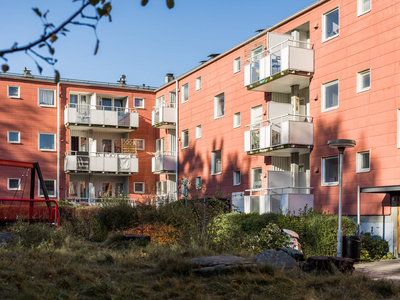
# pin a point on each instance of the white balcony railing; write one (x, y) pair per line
(88, 114)
(288, 129)
(164, 162)
(79, 201)
(76, 161)
(290, 54)
(164, 116)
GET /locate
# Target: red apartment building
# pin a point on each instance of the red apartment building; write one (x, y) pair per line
(252, 122)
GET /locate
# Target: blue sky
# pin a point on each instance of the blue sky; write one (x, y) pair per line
(143, 43)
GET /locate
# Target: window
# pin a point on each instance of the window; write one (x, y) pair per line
(237, 65)
(138, 187)
(185, 139)
(106, 189)
(198, 183)
(107, 146)
(363, 161)
(219, 106)
(139, 144)
(330, 96)
(330, 171)
(236, 177)
(198, 83)
(236, 120)
(256, 114)
(47, 141)
(185, 187)
(256, 178)
(363, 6)
(330, 24)
(185, 93)
(13, 91)
(363, 80)
(50, 186)
(47, 97)
(13, 137)
(13, 184)
(198, 131)
(162, 188)
(216, 162)
(139, 102)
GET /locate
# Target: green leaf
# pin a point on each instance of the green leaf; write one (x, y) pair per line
(170, 3)
(94, 2)
(97, 47)
(37, 11)
(144, 2)
(5, 68)
(57, 77)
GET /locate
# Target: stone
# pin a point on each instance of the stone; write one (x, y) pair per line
(296, 254)
(277, 259)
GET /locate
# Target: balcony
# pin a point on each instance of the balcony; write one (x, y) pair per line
(164, 116)
(100, 116)
(288, 63)
(79, 201)
(100, 162)
(163, 162)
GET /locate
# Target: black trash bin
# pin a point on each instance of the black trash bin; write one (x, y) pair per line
(352, 247)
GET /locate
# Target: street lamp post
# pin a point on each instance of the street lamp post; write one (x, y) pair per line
(341, 145)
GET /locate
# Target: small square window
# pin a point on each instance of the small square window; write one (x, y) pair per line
(13, 137)
(185, 93)
(139, 102)
(363, 161)
(330, 171)
(198, 183)
(138, 187)
(185, 139)
(363, 6)
(50, 186)
(330, 24)
(256, 178)
(236, 120)
(13, 184)
(237, 65)
(236, 177)
(198, 131)
(185, 187)
(363, 81)
(47, 97)
(219, 106)
(330, 96)
(47, 141)
(198, 83)
(216, 162)
(139, 144)
(13, 91)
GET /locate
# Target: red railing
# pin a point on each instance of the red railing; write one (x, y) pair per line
(32, 210)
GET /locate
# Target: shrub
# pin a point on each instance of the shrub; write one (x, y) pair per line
(373, 247)
(80, 221)
(269, 237)
(117, 216)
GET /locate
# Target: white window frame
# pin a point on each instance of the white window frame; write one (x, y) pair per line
(216, 103)
(185, 187)
(359, 7)
(237, 65)
(14, 142)
(14, 189)
(359, 160)
(252, 181)
(324, 39)
(185, 137)
(198, 83)
(214, 162)
(198, 183)
(55, 188)
(185, 86)
(137, 148)
(235, 117)
(55, 142)
(14, 86)
(240, 178)
(139, 191)
(45, 105)
(198, 131)
(323, 95)
(360, 76)
(134, 102)
(323, 182)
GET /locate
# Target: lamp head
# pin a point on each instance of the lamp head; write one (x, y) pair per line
(341, 143)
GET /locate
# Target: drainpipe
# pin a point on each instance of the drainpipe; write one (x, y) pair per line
(58, 140)
(176, 139)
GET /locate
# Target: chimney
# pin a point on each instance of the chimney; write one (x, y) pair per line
(121, 80)
(27, 73)
(169, 77)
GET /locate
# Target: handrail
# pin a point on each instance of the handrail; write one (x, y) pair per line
(280, 44)
(279, 188)
(280, 117)
(169, 105)
(164, 153)
(93, 201)
(100, 107)
(100, 154)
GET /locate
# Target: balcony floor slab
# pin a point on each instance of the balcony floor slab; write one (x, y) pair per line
(282, 83)
(99, 128)
(282, 150)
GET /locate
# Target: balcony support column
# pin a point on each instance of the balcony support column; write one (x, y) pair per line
(295, 96)
(294, 168)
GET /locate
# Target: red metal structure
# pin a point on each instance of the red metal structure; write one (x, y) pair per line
(32, 210)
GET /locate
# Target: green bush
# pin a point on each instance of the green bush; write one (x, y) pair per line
(374, 247)
(118, 216)
(269, 237)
